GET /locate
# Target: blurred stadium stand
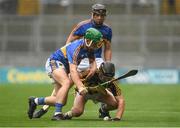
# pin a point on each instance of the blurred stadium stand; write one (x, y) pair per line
(146, 33)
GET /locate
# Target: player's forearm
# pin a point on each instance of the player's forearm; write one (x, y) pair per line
(76, 79)
(92, 69)
(119, 113)
(107, 55)
(107, 51)
(81, 88)
(121, 107)
(93, 65)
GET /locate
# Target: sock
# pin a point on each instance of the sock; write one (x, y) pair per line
(103, 107)
(58, 107)
(39, 101)
(103, 110)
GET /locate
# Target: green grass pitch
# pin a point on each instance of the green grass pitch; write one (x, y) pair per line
(146, 106)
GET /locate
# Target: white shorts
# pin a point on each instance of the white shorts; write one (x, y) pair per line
(52, 65)
(84, 64)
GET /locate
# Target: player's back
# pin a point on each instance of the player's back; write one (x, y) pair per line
(80, 30)
(76, 51)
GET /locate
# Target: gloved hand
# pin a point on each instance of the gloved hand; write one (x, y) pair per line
(83, 91)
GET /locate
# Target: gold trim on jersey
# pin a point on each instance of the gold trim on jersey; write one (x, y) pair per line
(115, 89)
(63, 50)
(76, 54)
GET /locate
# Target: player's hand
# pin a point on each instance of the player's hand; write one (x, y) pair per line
(92, 71)
(83, 91)
(116, 119)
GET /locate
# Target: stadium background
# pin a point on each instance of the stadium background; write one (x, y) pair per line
(146, 36)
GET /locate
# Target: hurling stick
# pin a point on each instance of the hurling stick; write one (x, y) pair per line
(128, 74)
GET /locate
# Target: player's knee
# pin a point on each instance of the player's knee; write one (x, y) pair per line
(111, 106)
(77, 112)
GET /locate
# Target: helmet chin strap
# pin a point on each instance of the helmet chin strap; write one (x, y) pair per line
(88, 45)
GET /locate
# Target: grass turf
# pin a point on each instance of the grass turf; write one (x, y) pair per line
(146, 106)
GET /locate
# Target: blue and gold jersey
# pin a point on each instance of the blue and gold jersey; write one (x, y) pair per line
(81, 28)
(72, 53)
(76, 52)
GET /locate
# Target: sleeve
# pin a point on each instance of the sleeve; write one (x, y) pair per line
(80, 31)
(72, 55)
(69, 54)
(109, 35)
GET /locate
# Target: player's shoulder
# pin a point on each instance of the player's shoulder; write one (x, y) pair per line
(72, 47)
(107, 26)
(76, 43)
(84, 22)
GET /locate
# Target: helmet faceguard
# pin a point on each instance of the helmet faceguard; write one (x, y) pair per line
(106, 71)
(94, 36)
